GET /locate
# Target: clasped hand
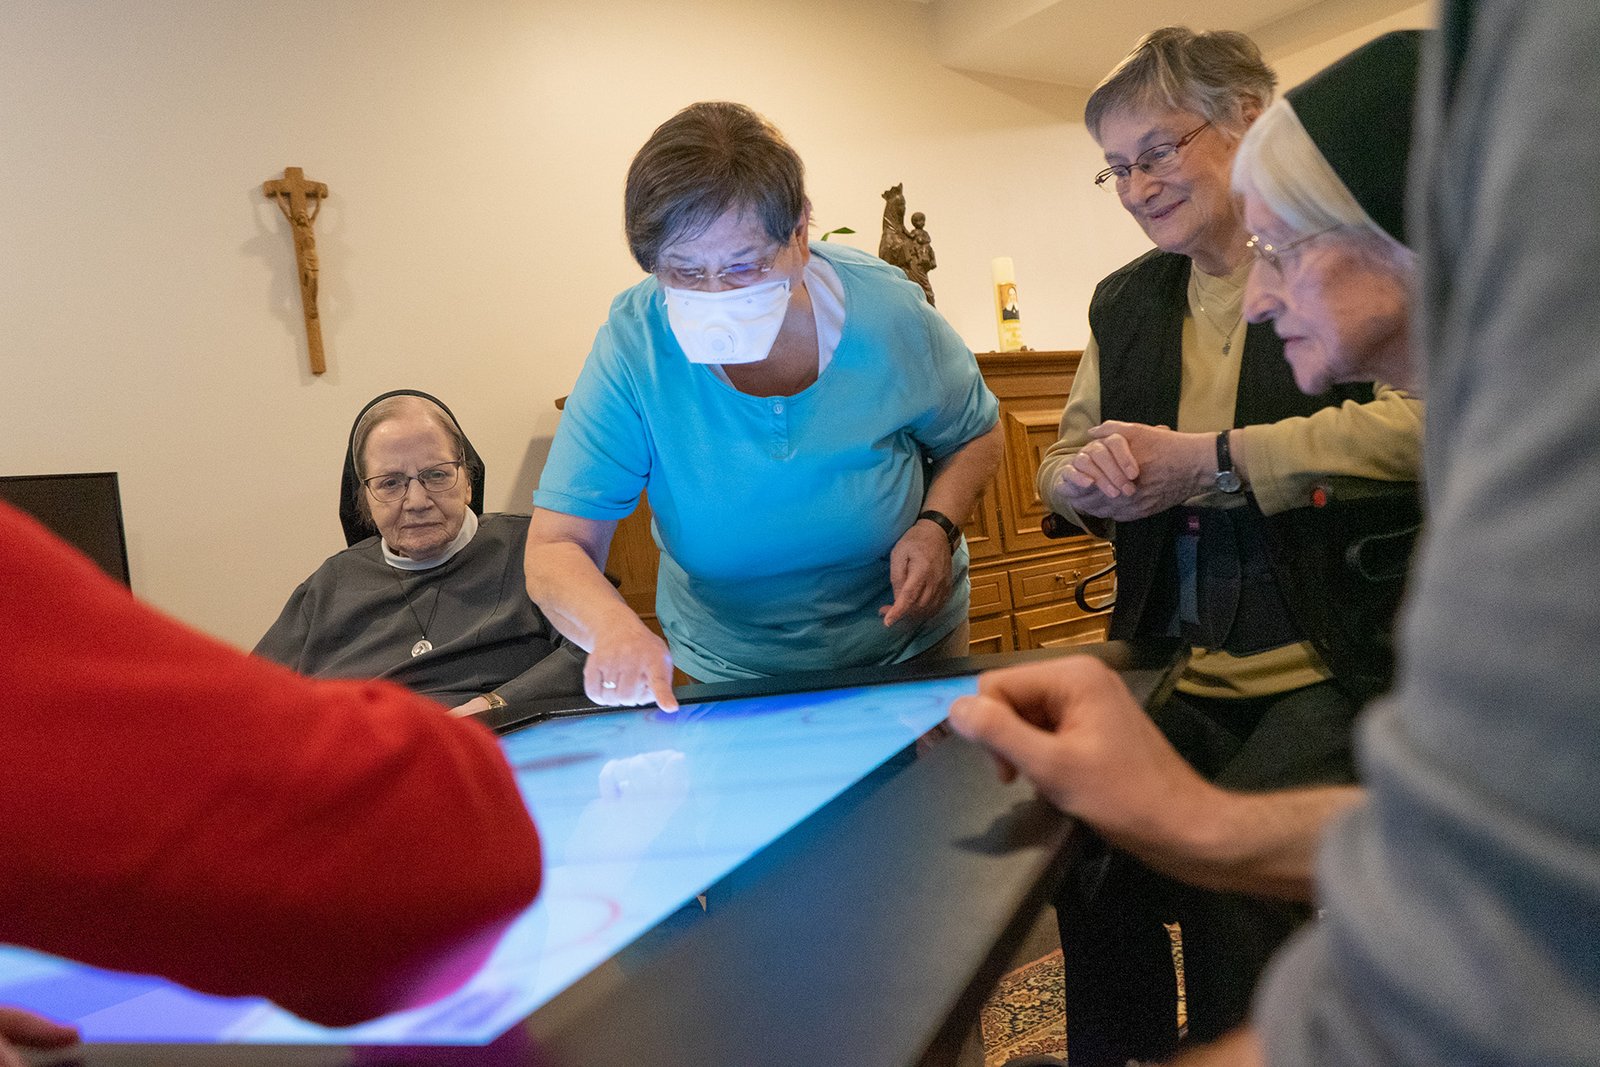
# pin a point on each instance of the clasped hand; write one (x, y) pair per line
(1128, 470)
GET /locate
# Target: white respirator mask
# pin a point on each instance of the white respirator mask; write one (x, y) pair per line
(733, 326)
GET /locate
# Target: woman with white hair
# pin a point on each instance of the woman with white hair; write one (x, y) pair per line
(1184, 437)
(1323, 200)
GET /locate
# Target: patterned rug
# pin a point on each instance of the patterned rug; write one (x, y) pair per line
(1027, 1013)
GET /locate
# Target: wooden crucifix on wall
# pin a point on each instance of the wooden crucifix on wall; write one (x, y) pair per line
(300, 201)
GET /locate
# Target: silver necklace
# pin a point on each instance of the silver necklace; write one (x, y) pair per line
(1197, 293)
(1227, 335)
(424, 645)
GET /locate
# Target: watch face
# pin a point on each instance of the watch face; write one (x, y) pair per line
(1228, 481)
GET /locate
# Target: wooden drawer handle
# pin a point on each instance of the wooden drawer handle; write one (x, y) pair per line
(1061, 579)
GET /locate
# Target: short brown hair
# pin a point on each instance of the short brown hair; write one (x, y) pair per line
(1211, 74)
(705, 160)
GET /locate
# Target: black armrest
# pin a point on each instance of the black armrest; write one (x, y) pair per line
(1056, 527)
(1081, 592)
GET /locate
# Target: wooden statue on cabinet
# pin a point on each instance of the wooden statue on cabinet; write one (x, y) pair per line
(909, 249)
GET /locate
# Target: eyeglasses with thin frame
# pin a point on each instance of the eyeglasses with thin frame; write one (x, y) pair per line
(1274, 257)
(394, 485)
(737, 275)
(1157, 160)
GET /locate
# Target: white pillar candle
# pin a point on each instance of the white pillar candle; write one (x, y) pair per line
(1007, 315)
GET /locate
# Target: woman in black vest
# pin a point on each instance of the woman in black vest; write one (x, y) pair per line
(1185, 429)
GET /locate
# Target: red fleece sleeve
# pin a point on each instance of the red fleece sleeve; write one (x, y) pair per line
(172, 806)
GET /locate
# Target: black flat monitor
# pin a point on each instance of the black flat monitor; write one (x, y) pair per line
(85, 510)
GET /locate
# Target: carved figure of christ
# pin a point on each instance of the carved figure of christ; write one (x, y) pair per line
(300, 201)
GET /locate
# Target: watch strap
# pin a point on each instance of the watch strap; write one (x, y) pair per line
(1224, 453)
(952, 532)
(1228, 480)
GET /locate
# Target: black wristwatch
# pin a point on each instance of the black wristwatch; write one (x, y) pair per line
(1227, 478)
(952, 532)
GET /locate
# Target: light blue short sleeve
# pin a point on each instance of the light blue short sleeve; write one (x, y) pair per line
(600, 459)
(961, 405)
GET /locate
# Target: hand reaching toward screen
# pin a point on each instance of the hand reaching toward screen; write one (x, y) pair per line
(1072, 728)
(629, 665)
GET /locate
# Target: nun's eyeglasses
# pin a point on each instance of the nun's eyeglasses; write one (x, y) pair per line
(1274, 257)
(393, 486)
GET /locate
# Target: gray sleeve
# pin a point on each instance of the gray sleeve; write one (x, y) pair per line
(558, 674)
(1080, 415)
(285, 641)
(1463, 904)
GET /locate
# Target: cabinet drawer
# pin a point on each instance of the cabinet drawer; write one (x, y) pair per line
(991, 593)
(1053, 581)
(992, 635)
(1059, 624)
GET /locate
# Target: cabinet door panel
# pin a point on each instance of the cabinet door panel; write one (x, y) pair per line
(1029, 432)
(983, 529)
(992, 635)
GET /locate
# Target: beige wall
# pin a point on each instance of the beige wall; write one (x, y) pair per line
(475, 150)
(1297, 66)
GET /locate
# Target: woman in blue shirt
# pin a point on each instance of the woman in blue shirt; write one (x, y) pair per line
(811, 432)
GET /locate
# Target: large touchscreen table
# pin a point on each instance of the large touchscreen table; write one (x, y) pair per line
(639, 811)
(896, 901)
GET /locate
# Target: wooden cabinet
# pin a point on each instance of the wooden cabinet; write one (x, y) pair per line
(633, 562)
(1022, 582)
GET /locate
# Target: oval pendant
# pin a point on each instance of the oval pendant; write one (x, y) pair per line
(421, 646)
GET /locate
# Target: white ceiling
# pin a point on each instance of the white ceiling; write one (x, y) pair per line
(1075, 42)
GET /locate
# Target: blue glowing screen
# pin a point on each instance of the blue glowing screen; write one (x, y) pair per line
(639, 812)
